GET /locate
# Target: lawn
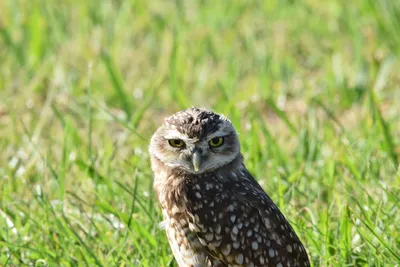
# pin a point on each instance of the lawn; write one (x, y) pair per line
(313, 87)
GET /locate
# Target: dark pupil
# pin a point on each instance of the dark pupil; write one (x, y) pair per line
(216, 140)
(176, 142)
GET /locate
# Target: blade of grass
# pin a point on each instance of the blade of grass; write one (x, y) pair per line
(384, 127)
(118, 86)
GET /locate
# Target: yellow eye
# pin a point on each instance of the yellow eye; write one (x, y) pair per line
(176, 142)
(216, 142)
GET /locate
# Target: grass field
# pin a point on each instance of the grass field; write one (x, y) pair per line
(312, 86)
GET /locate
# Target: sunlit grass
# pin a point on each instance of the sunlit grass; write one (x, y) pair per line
(312, 87)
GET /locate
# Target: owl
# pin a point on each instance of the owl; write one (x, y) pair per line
(215, 213)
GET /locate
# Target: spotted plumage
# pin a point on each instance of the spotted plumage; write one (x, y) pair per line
(215, 213)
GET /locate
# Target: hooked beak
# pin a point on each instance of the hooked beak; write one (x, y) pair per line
(196, 160)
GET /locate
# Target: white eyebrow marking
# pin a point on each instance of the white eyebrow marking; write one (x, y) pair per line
(220, 133)
(174, 134)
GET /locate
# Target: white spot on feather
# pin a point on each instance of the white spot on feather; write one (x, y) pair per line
(235, 230)
(239, 258)
(271, 252)
(226, 250)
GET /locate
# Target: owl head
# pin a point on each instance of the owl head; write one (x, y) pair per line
(195, 140)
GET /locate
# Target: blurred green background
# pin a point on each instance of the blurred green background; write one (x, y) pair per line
(312, 87)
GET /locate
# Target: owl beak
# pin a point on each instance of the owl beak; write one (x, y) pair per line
(196, 159)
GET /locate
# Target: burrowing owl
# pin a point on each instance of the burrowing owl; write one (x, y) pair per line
(215, 212)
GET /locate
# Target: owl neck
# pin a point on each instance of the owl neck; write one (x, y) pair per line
(171, 184)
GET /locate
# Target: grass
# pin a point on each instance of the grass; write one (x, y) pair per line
(312, 87)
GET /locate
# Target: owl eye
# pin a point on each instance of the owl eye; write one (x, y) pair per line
(216, 142)
(176, 143)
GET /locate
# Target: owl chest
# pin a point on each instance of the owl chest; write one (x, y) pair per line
(186, 247)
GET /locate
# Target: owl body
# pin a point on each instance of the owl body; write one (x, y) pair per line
(215, 213)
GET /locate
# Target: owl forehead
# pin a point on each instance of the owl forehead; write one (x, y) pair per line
(195, 123)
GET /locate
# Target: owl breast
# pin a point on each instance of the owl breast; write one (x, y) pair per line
(230, 221)
(187, 248)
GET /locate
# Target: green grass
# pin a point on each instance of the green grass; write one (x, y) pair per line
(312, 87)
